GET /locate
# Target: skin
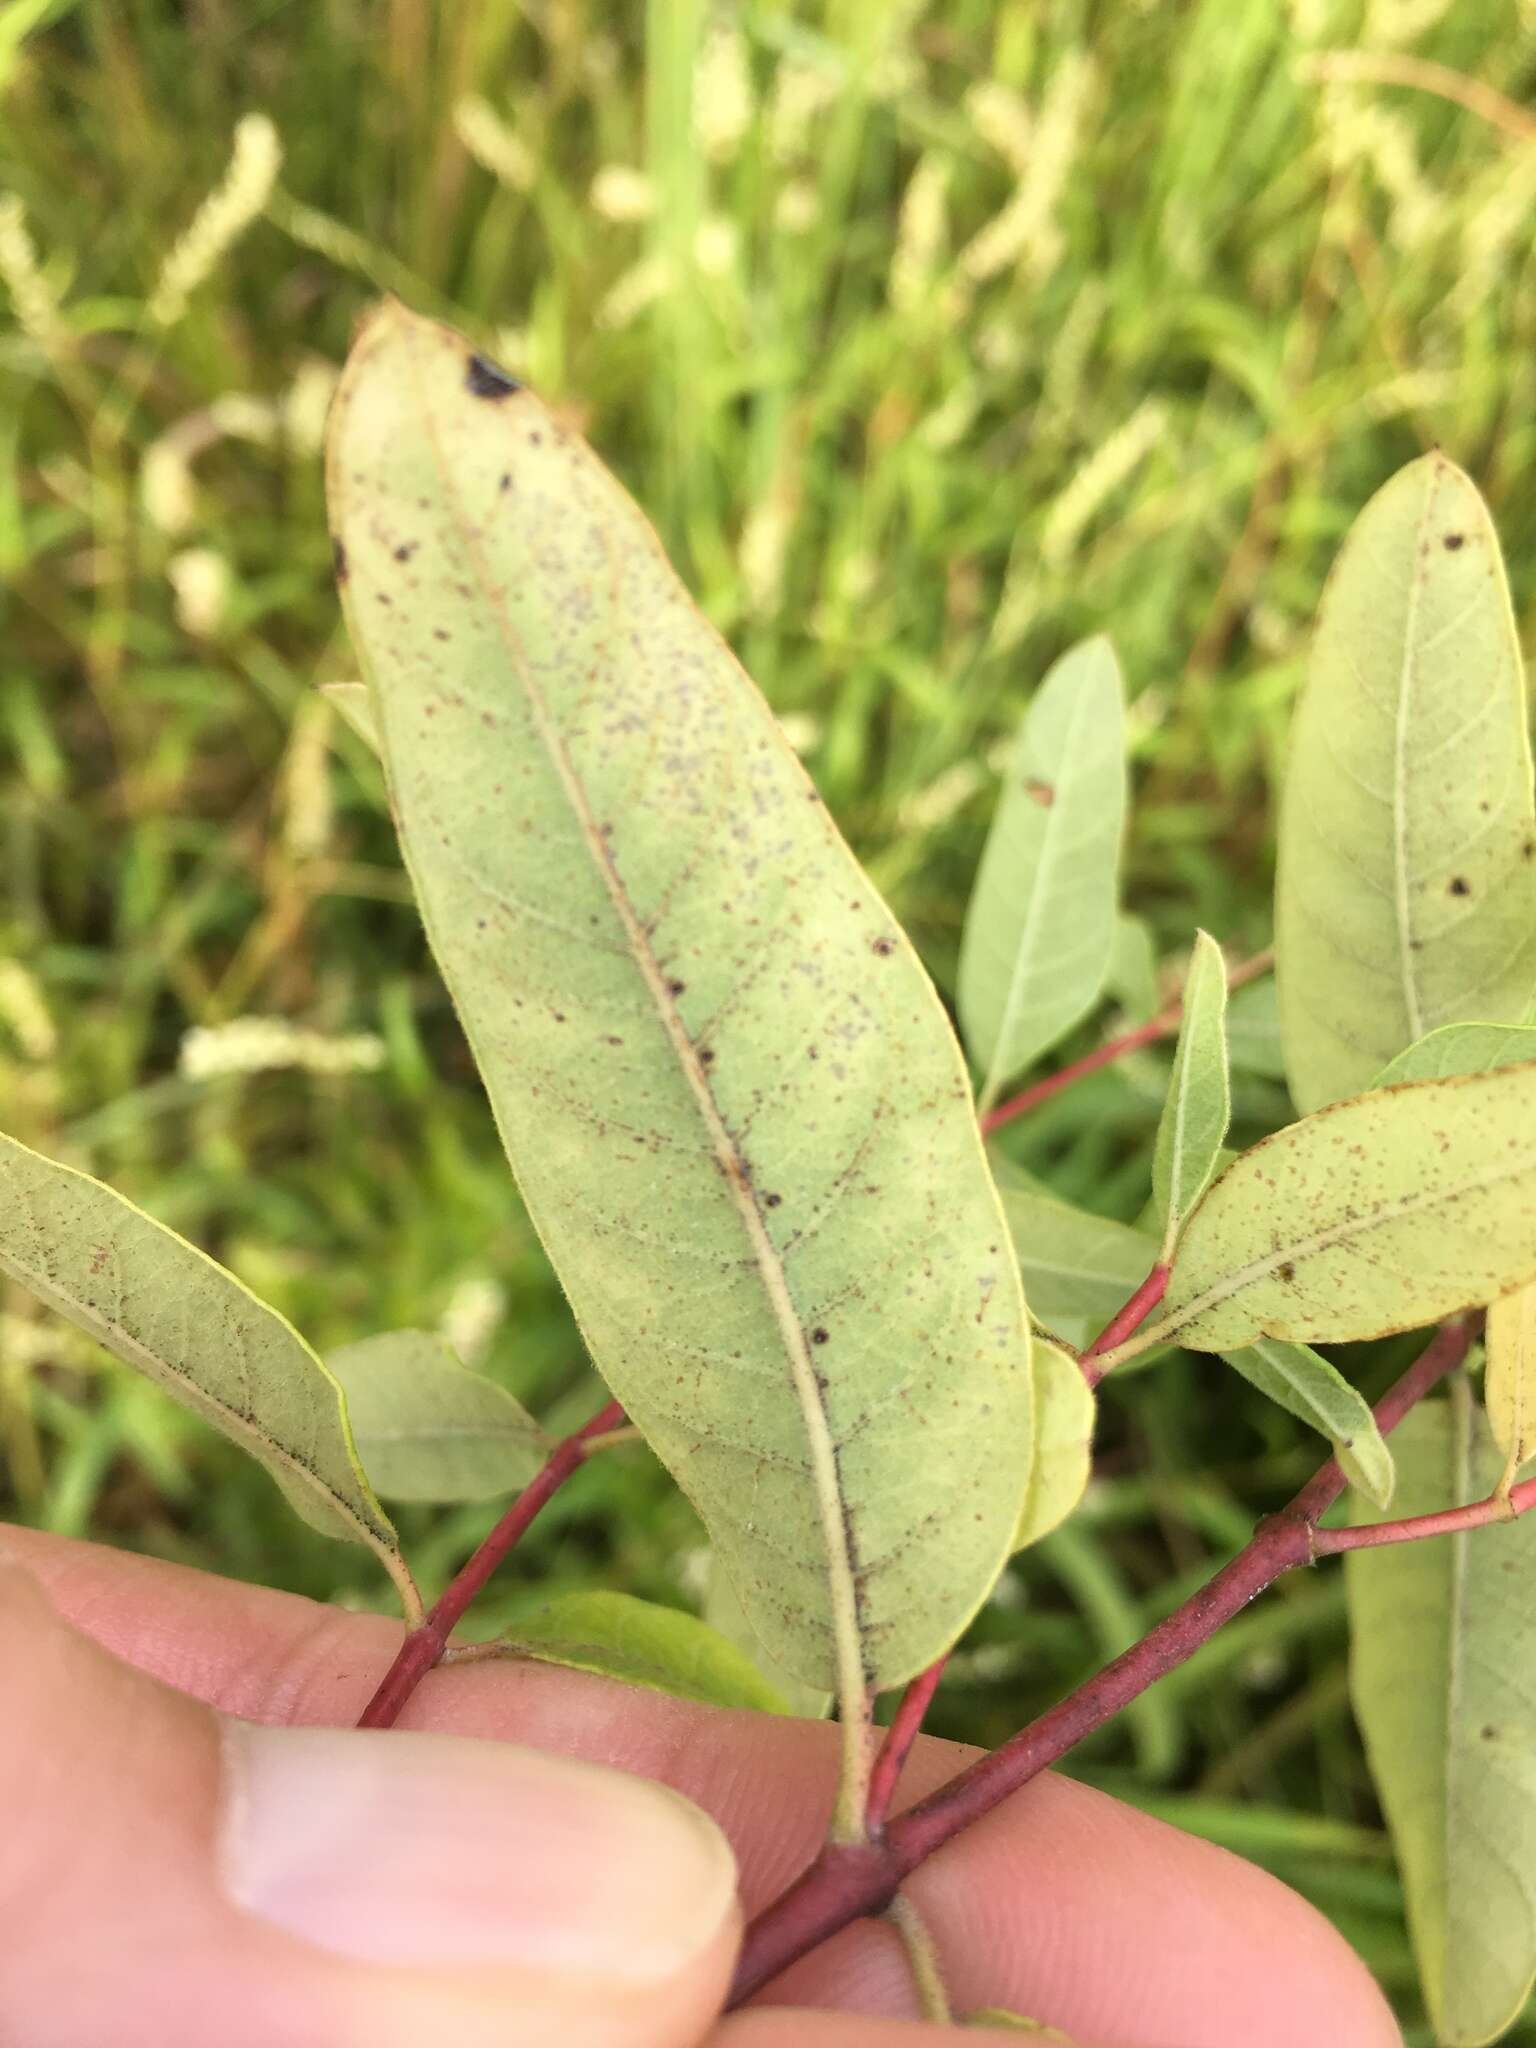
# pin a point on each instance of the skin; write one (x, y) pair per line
(1062, 1903)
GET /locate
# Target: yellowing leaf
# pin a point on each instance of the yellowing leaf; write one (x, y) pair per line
(1062, 1457)
(732, 1100)
(618, 1636)
(1040, 929)
(1443, 1671)
(427, 1429)
(1380, 1214)
(1406, 896)
(164, 1307)
(1303, 1383)
(1509, 1383)
(1198, 1108)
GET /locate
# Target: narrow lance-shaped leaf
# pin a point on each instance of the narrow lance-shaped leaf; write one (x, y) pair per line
(1040, 928)
(1443, 1669)
(1509, 1382)
(1193, 1126)
(1062, 1459)
(618, 1636)
(428, 1429)
(733, 1103)
(1406, 896)
(166, 1308)
(1303, 1383)
(1380, 1214)
(1460, 1049)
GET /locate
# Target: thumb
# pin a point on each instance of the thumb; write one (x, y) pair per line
(170, 1877)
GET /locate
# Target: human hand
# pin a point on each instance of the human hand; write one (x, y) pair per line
(171, 1875)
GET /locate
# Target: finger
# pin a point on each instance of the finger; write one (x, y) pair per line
(1061, 1902)
(169, 1878)
(790, 2029)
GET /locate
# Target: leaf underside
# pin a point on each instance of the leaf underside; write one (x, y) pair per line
(735, 1109)
(1406, 894)
(1078, 1268)
(1303, 1383)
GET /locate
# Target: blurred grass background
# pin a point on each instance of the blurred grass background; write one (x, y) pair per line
(933, 336)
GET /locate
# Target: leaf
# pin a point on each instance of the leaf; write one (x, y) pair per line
(167, 1309)
(355, 704)
(428, 1429)
(1131, 977)
(730, 1095)
(1460, 1049)
(1406, 896)
(1193, 1126)
(999, 2018)
(1443, 1670)
(618, 1636)
(1040, 928)
(1253, 1030)
(725, 1614)
(1509, 1383)
(1062, 1453)
(1078, 1268)
(1303, 1383)
(1380, 1214)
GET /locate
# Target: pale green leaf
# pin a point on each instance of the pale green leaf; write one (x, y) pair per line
(1406, 896)
(1040, 927)
(354, 703)
(1198, 1108)
(1379, 1214)
(1002, 2021)
(164, 1307)
(1131, 977)
(427, 1429)
(731, 1097)
(1253, 1030)
(725, 1614)
(1303, 1383)
(1062, 1455)
(1509, 1383)
(1460, 1049)
(1443, 1670)
(1078, 1268)
(618, 1636)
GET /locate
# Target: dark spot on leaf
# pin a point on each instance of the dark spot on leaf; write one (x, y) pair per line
(559, 1016)
(506, 480)
(1287, 1271)
(339, 557)
(406, 549)
(772, 1201)
(706, 1056)
(1488, 1732)
(1044, 793)
(676, 987)
(486, 380)
(884, 946)
(614, 1041)
(818, 1336)
(536, 440)
(1460, 886)
(1454, 540)
(439, 633)
(1528, 850)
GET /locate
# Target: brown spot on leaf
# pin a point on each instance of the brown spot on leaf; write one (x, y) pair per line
(884, 946)
(1460, 886)
(1044, 793)
(1287, 1271)
(487, 380)
(1454, 540)
(339, 557)
(772, 1201)
(406, 549)
(818, 1336)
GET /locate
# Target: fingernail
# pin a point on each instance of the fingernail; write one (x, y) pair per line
(427, 1850)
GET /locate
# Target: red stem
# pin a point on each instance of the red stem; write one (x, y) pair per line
(424, 1646)
(1448, 1522)
(848, 1882)
(1125, 1322)
(1053, 1084)
(906, 1726)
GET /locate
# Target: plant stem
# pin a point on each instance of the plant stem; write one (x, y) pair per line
(1163, 1025)
(856, 1726)
(425, 1644)
(906, 1724)
(849, 1882)
(1103, 1352)
(922, 1959)
(1498, 1507)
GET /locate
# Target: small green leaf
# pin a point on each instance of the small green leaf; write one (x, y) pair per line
(1131, 979)
(1443, 1670)
(164, 1307)
(1078, 1268)
(1509, 1384)
(618, 1636)
(1062, 1457)
(355, 703)
(725, 1614)
(1384, 1213)
(1406, 896)
(1303, 1383)
(1040, 929)
(1003, 2021)
(730, 1095)
(1193, 1126)
(427, 1429)
(1460, 1049)
(1253, 1030)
